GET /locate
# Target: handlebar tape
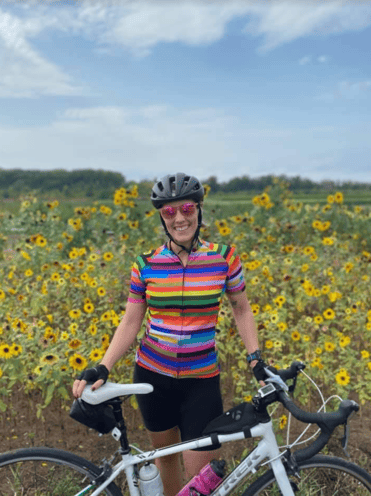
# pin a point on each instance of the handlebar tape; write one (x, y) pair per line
(326, 421)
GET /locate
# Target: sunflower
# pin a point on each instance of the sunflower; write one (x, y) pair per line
(38, 369)
(78, 362)
(344, 341)
(101, 291)
(282, 326)
(283, 421)
(89, 308)
(308, 250)
(255, 308)
(73, 328)
(105, 317)
(96, 354)
(133, 224)
(224, 231)
(329, 346)
(16, 349)
(74, 344)
(280, 300)
(329, 314)
(41, 241)
(342, 377)
(74, 314)
(108, 256)
(49, 359)
(6, 351)
(295, 336)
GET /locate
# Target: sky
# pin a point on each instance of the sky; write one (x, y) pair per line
(212, 88)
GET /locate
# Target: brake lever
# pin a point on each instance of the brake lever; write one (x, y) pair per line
(275, 379)
(345, 438)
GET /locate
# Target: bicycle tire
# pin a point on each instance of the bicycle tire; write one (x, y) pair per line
(321, 476)
(47, 472)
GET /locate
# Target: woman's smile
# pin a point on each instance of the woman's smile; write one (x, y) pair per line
(182, 227)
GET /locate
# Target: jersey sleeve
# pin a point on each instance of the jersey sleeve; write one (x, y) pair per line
(235, 278)
(137, 292)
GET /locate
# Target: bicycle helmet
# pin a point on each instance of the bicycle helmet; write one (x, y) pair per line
(175, 187)
(99, 417)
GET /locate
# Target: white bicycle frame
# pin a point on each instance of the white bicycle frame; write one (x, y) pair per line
(267, 448)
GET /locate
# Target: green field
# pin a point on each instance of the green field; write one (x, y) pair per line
(222, 204)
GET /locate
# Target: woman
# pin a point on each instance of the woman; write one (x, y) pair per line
(181, 284)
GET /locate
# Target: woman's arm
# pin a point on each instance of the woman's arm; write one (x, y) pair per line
(245, 321)
(123, 338)
(125, 333)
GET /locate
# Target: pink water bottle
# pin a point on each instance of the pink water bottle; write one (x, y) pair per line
(206, 481)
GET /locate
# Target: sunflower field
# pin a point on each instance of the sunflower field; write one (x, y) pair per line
(64, 285)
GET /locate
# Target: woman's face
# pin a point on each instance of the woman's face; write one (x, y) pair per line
(183, 224)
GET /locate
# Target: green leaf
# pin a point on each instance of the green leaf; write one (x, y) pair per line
(49, 394)
(63, 392)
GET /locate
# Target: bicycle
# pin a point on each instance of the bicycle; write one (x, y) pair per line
(48, 471)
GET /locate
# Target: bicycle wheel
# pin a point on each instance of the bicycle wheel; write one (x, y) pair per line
(319, 476)
(48, 472)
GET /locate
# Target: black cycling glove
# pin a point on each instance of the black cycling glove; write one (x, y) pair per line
(259, 372)
(94, 374)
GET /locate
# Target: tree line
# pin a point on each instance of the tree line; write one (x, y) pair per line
(100, 184)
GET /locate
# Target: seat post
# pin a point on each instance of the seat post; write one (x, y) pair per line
(117, 411)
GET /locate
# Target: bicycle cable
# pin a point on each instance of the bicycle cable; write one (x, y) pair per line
(323, 407)
(297, 441)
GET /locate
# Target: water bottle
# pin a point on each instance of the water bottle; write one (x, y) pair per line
(206, 481)
(150, 483)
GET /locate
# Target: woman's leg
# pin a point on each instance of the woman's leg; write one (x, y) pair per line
(195, 460)
(170, 466)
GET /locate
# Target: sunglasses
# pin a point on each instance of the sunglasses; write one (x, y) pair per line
(169, 212)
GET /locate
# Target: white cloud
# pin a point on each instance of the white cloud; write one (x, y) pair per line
(285, 21)
(305, 60)
(346, 90)
(150, 141)
(139, 25)
(137, 142)
(308, 59)
(322, 59)
(24, 72)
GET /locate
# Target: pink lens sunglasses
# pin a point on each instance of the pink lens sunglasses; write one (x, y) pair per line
(169, 212)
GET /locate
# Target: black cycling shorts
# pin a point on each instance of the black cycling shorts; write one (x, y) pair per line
(189, 404)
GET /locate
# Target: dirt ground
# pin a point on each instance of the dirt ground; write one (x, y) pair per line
(21, 428)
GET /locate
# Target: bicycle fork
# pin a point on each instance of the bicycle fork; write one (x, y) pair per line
(274, 455)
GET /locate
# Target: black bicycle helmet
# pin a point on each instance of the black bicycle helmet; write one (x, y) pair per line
(99, 417)
(175, 187)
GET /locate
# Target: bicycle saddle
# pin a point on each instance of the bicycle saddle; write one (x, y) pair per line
(111, 390)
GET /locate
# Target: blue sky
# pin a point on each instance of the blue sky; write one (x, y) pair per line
(225, 88)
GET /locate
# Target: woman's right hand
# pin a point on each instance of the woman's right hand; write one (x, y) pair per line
(97, 375)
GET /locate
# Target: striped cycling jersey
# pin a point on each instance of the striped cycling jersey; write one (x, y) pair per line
(183, 305)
